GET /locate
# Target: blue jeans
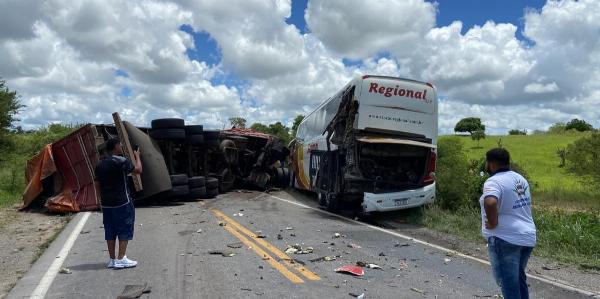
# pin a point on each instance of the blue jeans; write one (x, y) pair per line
(508, 265)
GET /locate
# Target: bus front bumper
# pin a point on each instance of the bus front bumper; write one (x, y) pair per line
(384, 202)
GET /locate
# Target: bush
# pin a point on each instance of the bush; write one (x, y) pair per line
(451, 173)
(583, 158)
(579, 125)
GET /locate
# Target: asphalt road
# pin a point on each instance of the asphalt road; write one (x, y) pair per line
(172, 245)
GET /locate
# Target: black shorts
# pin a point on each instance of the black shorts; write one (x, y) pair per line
(119, 222)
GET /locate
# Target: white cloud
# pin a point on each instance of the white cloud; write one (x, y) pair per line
(359, 29)
(541, 88)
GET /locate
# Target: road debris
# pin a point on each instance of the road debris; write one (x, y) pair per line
(221, 223)
(222, 253)
(235, 245)
(297, 249)
(83, 232)
(403, 265)
(247, 289)
(289, 228)
(65, 271)
(238, 215)
(359, 296)
(336, 235)
(381, 254)
(261, 236)
(361, 264)
(199, 231)
(325, 259)
(279, 237)
(132, 291)
(374, 266)
(447, 260)
(418, 290)
(351, 269)
(354, 246)
(398, 244)
(550, 267)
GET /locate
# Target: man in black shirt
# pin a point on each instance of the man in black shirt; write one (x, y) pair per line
(117, 204)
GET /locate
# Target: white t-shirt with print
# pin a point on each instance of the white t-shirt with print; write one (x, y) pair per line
(515, 223)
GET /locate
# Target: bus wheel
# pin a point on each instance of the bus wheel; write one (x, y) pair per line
(322, 200)
(331, 203)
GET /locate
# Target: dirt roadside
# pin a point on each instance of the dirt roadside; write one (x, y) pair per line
(23, 238)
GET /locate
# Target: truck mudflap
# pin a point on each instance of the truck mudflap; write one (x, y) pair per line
(392, 201)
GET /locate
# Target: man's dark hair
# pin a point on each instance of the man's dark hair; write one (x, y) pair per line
(111, 144)
(499, 156)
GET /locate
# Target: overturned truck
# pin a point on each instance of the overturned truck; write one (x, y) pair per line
(372, 145)
(180, 162)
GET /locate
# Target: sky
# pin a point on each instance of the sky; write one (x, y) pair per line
(515, 64)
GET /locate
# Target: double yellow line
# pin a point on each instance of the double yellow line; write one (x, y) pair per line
(286, 265)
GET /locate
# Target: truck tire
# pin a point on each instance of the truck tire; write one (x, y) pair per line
(179, 192)
(197, 193)
(211, 135)
(168, 123)
(197, 182)
(167, 134)
(194, 130)
(212, 183)
(287, 177)
(179, 180)
(195, 139)
(212, 192)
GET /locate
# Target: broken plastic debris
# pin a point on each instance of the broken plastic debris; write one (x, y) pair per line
(354, 246)
(65, 271)
(324, 259)
(447, 260)
(297, 249)
(199, 231)
(403, 265)
(238, 214)
(222, 253)
(261, 236)
(235, 245)
(374, 266)
(289, 228)
(351, 269)
(401, 245)
(417, 290)
(359, 296)
(336, 235)
(221, 223)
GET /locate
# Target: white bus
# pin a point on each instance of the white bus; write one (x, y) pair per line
(372, 144)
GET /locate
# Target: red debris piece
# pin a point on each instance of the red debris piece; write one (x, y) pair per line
(351, 269)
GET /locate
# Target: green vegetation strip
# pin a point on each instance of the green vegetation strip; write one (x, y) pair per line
(567, 237)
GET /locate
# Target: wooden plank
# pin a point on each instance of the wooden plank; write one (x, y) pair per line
(127, 149)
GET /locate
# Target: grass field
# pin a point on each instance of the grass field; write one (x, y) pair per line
(552, 186)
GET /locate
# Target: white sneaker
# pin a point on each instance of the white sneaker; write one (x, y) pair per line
(111, 263)
(125, 263)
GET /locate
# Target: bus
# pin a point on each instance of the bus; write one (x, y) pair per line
(372, 146)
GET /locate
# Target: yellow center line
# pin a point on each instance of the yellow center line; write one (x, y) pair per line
(261, 253)
(284, 257)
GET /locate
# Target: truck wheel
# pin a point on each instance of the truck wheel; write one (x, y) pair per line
(180, 192)
(179, 180)
(195, 139)
(167, 134)
(197, 193)
(168, 123)
(212, 192)
(212, 183)
(194, 130)
(197, 182)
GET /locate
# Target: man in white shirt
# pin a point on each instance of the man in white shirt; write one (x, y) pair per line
(507, 224)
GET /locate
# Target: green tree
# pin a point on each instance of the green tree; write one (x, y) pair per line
(470, 125)
(237, 122)
(260, 128)
(517, 132)
(9, 107)
(579, 125)
(478, 135)
(297, 122)
(583, 157)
